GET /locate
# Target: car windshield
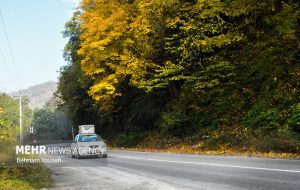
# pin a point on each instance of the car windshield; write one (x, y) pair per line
(89, 138)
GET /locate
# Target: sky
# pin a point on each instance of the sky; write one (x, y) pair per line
(34, 31)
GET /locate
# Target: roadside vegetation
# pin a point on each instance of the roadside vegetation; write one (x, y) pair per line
(211, 76)
(13, 175)
(268, 148)
(21, 176)
(51, 124)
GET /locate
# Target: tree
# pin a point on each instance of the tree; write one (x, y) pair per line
(9, 117)
(183, 65)
(73, 85)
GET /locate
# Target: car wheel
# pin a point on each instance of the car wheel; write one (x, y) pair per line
(104, 155)
(78, 155)
(73, 156)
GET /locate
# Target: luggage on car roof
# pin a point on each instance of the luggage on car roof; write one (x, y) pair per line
(87, 129)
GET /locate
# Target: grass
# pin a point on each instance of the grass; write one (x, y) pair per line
(22, 176)
(231, 142)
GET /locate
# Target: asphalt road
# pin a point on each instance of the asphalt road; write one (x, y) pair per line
(139, 170)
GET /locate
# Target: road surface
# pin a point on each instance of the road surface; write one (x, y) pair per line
(140, 170)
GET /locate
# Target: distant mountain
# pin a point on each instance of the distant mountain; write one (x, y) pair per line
(39, 94)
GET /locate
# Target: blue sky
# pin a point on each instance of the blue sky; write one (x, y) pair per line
(34, 30)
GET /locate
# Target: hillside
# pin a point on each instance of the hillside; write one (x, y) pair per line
(200, 75)
(38, 94)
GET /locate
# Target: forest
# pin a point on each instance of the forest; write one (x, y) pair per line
(48, 123)
(9, 118)
(206, 74)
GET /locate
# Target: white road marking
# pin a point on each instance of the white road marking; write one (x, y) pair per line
(208, 156)
(208, 164)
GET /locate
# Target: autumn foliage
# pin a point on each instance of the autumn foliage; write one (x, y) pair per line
(182, 68)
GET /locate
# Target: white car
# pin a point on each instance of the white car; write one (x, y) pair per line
(86, 145)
